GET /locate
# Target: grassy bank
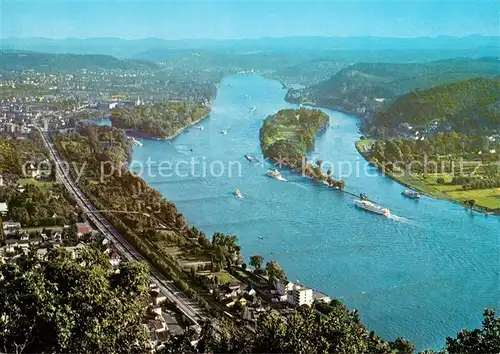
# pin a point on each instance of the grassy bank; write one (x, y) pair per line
(438, 185)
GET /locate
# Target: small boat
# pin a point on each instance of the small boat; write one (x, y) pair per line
(238, 194)
(363, 196)
(261, 238)
(201, 127)
(249, 158)
(253, 109)
(223, 132)
(136, 142)
(274, 173)
(374, 208)
(411, 194)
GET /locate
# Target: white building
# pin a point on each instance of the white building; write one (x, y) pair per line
(295, 293)
(302, 295)
(3, 208)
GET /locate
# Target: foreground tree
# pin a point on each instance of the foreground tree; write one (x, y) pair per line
(80, 305)
(484, 340)
(256, 261)
(274, 270)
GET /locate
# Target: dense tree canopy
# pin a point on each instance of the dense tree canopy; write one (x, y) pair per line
(159, 120)
(470, 106)
(364, 88)
(39, 207)
(81, 305)
(304, 331)
(16, 154)
(289, 134)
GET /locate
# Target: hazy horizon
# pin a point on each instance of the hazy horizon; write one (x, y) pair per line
(234, 20)
(250, 38)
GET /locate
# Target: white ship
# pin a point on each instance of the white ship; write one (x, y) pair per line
(238, 194)
(411, 194)
(249, 157)
(274, 173)
(374, 208)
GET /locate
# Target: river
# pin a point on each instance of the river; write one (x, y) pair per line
(424, 274)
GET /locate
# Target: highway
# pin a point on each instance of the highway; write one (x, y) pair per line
(188, 307)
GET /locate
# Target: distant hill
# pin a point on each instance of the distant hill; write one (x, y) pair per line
(470, 106)
(475, 44)
(365, 88)
(45, 62)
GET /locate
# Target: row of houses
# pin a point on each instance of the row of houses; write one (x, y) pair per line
(159, 322)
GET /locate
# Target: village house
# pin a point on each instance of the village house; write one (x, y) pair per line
(74, 250)
(114, 259)
(156, 298)
(231, 290)
(11, 228)
(3, 208)
(82, 229)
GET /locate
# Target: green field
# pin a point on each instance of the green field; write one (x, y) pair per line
(484, 198)
(488, 199)
(224, 277)
(40, 184)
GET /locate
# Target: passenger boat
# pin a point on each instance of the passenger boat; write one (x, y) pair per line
(249, 158)
(374, 208)
(411, 194)
(238, 194)
(274, 173)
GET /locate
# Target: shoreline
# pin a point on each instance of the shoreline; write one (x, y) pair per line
(141, 135)
(180, 130)
(479, 209)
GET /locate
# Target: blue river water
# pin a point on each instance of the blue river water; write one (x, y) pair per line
(423, 274)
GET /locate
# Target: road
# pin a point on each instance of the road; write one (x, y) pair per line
(189, 308)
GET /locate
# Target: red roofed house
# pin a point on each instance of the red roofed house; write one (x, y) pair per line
(82, 228)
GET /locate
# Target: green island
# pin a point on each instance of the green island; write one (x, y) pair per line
(288, 135)
(162, 120)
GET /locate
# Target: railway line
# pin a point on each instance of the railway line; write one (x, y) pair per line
(186, 306)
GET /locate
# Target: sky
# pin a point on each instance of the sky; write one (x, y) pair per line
(244, 19)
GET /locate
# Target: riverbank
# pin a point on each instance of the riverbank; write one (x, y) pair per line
(180, 130)
(429, 186)
(319, 237)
